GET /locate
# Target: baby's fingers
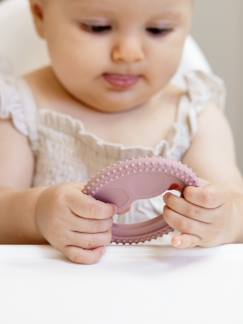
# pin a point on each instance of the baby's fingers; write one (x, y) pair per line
(83, 256)
(183, 207)
(89, 241)
(92, 226)
(86, 206)
(208, 196)
(184, 224)
(185, 241)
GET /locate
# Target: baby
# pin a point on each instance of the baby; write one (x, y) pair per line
(107, 96)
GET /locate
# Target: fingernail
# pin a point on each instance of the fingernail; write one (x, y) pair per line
(165, 196)
(177, 242)
(114, 208)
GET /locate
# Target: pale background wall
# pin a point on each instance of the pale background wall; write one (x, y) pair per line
(218, 28)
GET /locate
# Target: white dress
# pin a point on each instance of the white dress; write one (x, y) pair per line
(65, 152)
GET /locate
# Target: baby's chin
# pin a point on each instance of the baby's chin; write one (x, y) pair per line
(114, 107)
(115, 104)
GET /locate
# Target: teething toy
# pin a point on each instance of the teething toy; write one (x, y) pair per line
(139, 178)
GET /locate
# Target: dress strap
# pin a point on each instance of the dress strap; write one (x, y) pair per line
(200, 89)
(16, 103)
(30, 111)
(11, 106)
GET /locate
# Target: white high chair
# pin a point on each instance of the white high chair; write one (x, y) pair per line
(20, 45)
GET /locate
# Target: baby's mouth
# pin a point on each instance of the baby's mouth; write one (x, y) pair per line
(121, 81)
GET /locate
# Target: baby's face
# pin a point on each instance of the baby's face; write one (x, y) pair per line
(114, 55)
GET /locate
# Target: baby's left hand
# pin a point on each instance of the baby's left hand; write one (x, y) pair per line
(205, 216)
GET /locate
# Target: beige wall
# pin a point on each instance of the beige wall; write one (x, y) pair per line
(218, 29)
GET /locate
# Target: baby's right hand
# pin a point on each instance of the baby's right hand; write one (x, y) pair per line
(76, 224)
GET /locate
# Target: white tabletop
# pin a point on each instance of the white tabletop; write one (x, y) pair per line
(131, 284)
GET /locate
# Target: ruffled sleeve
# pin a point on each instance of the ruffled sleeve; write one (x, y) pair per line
(201, 89)
(17, 105)
(11, 106)
(204, 88)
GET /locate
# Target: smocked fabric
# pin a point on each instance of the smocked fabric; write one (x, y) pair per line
(66, 152)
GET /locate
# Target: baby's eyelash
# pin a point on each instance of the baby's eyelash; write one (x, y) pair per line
(99, 29)
(156, 31)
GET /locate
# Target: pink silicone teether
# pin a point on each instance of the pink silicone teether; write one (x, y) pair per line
(140, 178)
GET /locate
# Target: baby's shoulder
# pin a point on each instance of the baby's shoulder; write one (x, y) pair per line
(48, 94)
(41, 86)
(11, 101)
(203, 88)
(195, 93)
(16, 104)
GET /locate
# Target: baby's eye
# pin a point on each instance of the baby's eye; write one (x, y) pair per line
(96, 29)
(156, 31)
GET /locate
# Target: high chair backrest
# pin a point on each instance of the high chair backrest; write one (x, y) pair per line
(20, 45)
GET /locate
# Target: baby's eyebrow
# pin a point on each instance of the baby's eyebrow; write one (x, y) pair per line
(171, 15)
(87, 6)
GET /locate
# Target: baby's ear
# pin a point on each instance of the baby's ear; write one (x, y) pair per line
(37, 10)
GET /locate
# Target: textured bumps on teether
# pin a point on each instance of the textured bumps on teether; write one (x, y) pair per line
(140, 178)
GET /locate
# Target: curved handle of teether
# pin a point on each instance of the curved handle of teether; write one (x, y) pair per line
(141, 178)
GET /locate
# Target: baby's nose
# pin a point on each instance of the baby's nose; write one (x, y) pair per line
(127, 50)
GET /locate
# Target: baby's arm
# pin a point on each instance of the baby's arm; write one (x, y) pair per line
(212, 153)
(212, 214)
(17, 203)
(76, 224)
